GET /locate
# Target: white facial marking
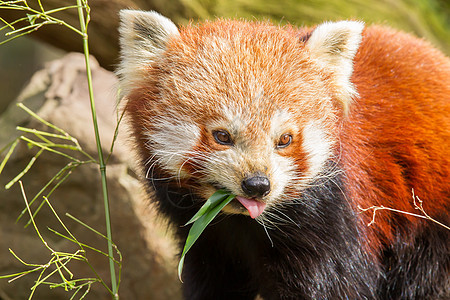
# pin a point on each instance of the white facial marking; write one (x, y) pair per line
(283, 172)
(282, 167)
(233, 120)
(171, 143)
(317, 146)
(281, 121)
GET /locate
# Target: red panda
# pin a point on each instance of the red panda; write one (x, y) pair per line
(308, 127)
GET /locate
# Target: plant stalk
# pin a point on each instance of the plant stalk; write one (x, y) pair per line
(101, 161)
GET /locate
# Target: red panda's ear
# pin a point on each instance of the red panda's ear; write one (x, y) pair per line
(143, 36)
(334, 45)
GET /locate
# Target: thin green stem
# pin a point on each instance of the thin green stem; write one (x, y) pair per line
(31, 216)
(8, 155)
(23, 33)
(83, 26)
(80, 244)
(43, 15)
(44, 140)
(10, 24)
(73, 239)
(34, 115)
(45, 147)
(45, 133)
(7, 24)
(41, 7)
(21, 174)
(116, 133)
(29, 28)
(66, 171)
(41, 134)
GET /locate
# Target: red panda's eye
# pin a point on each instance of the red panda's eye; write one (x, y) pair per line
(222, 137)
(284, 141)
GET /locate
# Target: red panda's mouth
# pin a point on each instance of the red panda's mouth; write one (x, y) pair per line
(254, 207)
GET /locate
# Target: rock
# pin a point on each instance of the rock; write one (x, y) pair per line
(59, 95)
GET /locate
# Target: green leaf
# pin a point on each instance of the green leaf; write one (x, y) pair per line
(202, 218)
(212, 201)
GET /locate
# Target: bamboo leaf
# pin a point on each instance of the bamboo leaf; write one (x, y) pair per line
(206, 216)
(216, 198)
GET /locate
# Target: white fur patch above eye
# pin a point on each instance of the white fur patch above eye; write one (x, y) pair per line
(282, 123)
(171, 143)
(231, 119)
(279, 120)
(318, 146)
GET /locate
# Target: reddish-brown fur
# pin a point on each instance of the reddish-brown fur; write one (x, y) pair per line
(392, 100)
(403, 106)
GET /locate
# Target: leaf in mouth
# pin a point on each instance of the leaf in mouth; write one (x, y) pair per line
(202, 218)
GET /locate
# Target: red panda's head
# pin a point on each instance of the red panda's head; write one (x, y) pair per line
(247, 107)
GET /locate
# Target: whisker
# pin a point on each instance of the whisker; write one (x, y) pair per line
(267, 232)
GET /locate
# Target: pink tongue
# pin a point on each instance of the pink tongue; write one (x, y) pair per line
(254, 207)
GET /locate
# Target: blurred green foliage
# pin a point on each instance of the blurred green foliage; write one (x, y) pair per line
(424, 18)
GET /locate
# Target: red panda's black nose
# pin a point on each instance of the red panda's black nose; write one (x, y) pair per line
(256, 186)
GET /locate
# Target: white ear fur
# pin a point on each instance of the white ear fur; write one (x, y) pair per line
(334, 45)
(143, 36)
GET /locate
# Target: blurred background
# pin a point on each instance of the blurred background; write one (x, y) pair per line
(20, 58)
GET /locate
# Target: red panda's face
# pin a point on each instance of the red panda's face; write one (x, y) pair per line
(229, 120)
(235, 106)
(235, 147)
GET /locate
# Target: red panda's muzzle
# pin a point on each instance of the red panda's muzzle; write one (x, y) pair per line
(254, 187)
